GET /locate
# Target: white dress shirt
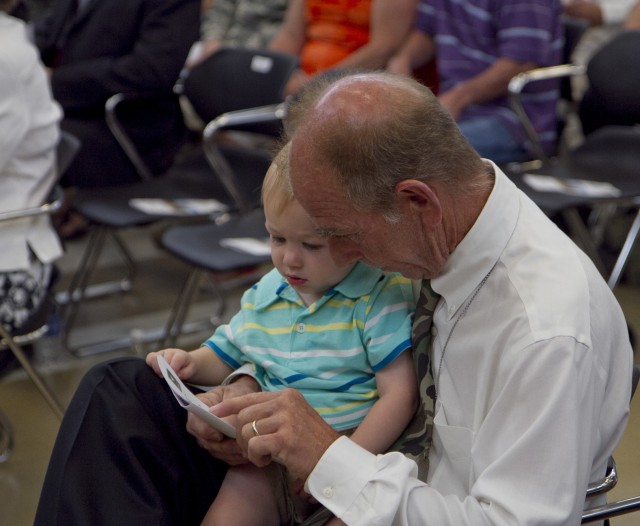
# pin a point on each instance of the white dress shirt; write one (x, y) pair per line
(29, 134)
(533, 390)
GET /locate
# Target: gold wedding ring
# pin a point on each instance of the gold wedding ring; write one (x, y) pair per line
(254, 427)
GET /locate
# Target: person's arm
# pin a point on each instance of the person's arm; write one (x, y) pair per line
(396, 405)
(167, 32)
(291, 36)
(633, 20)
(591, 12)
(417, 50)
(491, 83)
(390, 25)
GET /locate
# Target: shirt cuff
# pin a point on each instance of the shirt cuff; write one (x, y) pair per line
(334, 482)
(248, 369)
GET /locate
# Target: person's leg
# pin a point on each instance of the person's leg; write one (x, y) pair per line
(123, 457)
(245, 499)
(493, 140)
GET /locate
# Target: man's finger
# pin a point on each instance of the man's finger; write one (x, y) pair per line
(232, 406)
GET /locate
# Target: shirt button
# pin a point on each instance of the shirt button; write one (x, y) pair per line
(301, 328)
(327, 492)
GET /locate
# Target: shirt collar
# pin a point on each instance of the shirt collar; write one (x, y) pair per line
(360, 281)
(481, 248)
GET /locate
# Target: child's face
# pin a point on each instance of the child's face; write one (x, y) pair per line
(301, 255)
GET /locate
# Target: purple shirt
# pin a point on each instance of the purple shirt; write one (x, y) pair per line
(470, 35)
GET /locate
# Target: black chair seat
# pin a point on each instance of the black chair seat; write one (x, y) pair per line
(199, 245)
(611, 155)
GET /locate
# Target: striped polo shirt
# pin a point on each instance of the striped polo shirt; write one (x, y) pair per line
(470, 35)
(329, 351)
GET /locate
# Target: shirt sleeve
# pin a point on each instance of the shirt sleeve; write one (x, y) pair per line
(615, 11)
(389, 317)
(530, 31)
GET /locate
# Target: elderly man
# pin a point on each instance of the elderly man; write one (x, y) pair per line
(531, 362)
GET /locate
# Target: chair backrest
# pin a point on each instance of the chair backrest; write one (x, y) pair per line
(574, 29)
(237, 78)
(614, 83)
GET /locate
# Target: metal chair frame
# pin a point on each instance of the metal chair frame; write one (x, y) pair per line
(586, 234)
(190, 84)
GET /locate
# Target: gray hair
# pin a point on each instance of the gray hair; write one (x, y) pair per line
(406, 135)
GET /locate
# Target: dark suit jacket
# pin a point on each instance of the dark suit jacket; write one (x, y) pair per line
(119, 46)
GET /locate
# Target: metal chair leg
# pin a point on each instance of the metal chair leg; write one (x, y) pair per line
(31, 372)
(6, 438)
(623, 256)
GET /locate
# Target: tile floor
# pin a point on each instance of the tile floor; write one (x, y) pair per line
(158, 280)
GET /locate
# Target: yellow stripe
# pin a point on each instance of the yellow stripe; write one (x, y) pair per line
(330, 410)
(340, 326)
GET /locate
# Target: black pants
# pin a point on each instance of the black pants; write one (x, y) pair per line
(123, 457)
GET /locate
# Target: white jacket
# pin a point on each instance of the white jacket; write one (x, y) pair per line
(29, 134)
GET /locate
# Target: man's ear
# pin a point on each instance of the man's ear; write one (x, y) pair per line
(418, 197)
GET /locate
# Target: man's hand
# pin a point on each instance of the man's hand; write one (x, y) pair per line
(216, 443)
(290, 431)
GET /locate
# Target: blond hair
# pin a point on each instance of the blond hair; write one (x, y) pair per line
(276, 187)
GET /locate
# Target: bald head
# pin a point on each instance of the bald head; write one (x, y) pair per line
(373, 130)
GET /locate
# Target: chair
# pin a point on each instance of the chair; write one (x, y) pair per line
(229, 80)
(36, 326)
(621, 507)
(202, 246)
(609, 155)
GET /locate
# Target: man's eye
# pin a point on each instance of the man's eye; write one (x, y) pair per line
(277, 240)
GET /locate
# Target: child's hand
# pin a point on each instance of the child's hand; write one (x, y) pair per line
(179, 360)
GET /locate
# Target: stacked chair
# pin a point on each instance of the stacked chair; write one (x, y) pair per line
(229, 80)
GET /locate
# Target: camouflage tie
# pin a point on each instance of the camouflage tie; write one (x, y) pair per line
(415, 441)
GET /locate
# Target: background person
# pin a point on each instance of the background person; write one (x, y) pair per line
(345, 34)
(29, 135)
(479, 45)
(237, 23)
(98, 49)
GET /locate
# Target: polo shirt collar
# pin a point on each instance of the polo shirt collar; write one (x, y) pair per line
(360, 281)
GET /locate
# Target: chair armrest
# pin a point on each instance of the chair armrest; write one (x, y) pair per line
(119, 132)
(235, 119)
(613, 509)
(516, 87)
(50, 207)
(607, 483)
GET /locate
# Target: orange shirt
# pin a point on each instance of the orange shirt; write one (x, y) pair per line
(335, 29)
